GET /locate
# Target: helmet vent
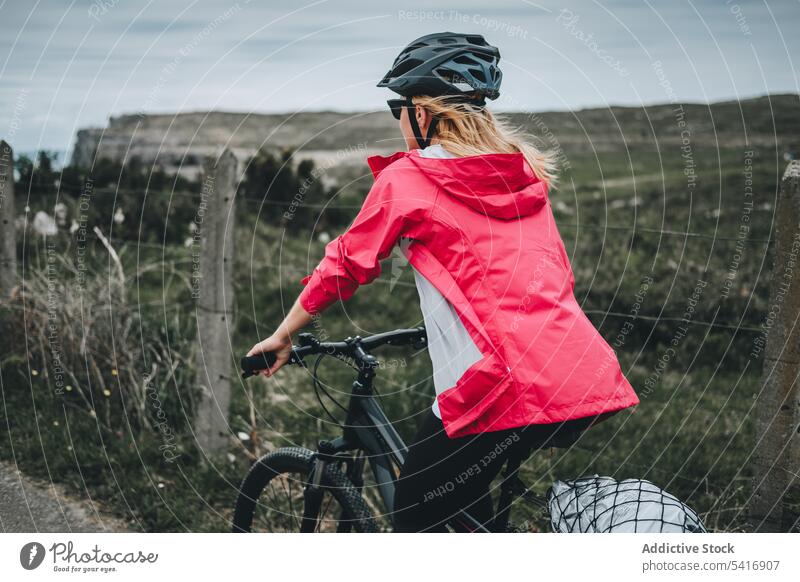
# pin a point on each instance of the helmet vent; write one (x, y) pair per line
(478, 74)
(405, 67)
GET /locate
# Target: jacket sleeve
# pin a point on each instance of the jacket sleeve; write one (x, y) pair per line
(353, 259)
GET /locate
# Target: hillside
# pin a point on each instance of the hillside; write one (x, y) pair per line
(178, 142)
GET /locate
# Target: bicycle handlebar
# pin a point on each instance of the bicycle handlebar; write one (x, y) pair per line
(356, 347)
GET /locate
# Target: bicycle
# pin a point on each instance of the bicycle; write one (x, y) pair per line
(335, 472)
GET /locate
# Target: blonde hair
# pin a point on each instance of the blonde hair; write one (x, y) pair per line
(466, 130)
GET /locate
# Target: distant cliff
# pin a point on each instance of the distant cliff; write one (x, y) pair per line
(178, 142)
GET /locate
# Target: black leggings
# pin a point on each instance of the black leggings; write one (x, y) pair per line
(442, 476)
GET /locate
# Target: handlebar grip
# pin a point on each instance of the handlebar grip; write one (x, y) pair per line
(251, 365)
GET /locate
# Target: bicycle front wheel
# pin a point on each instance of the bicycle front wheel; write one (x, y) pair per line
(271, 497)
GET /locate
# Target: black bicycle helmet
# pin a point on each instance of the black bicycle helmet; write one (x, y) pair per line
(446, 63)
(463, 66)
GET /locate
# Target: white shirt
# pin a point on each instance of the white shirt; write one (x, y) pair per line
(450, 346)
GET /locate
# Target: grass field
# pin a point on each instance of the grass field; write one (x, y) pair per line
(645, 229)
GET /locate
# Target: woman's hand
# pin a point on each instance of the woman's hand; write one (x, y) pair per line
(280, 342)
(281, 346)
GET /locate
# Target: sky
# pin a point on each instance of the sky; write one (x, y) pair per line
(66, 65)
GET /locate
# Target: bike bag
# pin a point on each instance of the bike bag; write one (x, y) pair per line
(595, 504)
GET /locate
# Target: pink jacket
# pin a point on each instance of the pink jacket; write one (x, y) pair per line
(484, 235)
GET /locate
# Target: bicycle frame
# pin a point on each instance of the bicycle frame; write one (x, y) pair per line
(367, 431)
(368, 436)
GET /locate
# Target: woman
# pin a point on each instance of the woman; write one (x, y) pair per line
(516, 363)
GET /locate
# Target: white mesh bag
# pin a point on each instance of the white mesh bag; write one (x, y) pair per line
(605, 505)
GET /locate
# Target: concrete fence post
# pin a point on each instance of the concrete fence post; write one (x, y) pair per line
(776, 458)
(8, 231)
(213, 292)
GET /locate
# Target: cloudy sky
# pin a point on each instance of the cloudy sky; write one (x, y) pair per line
(67, 65)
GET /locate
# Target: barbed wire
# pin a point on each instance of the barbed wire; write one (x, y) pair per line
(677, 233)
(632, 228)
(673, 319)
(604, 313)
(628, 229)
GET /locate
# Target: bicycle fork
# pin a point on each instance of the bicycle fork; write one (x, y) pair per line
(314, 491)
(312, 496)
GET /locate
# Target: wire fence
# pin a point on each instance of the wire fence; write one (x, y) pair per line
(632, 228)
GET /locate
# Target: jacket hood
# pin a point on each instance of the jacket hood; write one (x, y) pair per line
(497, 185)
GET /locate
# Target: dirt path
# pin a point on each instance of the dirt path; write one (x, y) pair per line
(29, 505)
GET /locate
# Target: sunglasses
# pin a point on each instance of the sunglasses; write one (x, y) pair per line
(396, 105)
